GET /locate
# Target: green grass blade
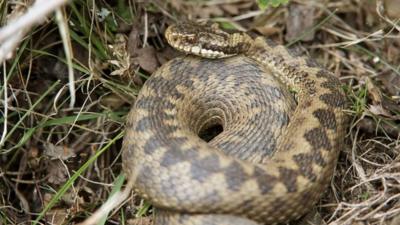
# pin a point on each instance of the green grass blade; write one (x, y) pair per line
(73, 178)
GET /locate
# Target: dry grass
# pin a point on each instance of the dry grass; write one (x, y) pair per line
(60, 152)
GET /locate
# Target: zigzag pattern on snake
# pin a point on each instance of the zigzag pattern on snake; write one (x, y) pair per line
(275, 154)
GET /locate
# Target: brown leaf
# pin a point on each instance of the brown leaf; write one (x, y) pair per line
(167, 54)
(379, 110)
(120, 59)
(134, 40)
(58, 152)
(56, 216)
(207, 12)
(301, 18)
(57, 172)
(230, 9)
(374, 92)
(146, 58)
(392, 8)
(267, 30)
(177, 4)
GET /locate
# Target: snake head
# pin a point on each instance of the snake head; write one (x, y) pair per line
(206, 40)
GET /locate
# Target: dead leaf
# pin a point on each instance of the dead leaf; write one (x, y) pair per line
(177, 4)
(392, 8)
(167, 54)
(208, 12)
(121, 58)
(146, 59)
(56, 216)
(268, 30)
(57, 172)
(230, 9)
(374, 92)
(379, 111)
(58, 152)
(33, 157)
(301, 18)
(134, 40)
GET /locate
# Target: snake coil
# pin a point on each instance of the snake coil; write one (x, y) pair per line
(275, 154)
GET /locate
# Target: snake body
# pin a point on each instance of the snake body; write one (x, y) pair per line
(267, 166)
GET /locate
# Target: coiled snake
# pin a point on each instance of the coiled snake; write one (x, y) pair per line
(267, 166)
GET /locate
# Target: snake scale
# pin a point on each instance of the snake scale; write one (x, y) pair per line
(276, 153)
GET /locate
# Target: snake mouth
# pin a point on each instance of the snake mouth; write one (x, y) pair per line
(199, 51)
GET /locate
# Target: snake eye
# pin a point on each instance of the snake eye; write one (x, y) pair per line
(174, 38)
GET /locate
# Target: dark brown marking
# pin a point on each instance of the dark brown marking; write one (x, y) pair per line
(167, 104)
(331, 83)
(318, 158)
(145, 175)
(296, 51)
(164, 116)
(175, 155)
(288, 178)
(323, 73)
(287, 146)
(318, 139)
(155, 82)
(302, 74)
(201, 169)
(334, 99)
(310, 86)
(305, 162)
(235, 176)
(187, 83)
(152, 145)
(326, 117)
(177, 95)
(265, 181)
(314, 157)
(144, 102)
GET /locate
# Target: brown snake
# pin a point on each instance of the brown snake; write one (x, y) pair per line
(267, 166)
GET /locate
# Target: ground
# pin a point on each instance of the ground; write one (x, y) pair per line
(61, 133)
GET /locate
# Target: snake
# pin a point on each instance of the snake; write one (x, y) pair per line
(281, 126)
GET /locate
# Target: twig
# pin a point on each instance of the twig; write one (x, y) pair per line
(13, 33)
(5, 113)
(35, 15)
(63, 27)
(109, 205)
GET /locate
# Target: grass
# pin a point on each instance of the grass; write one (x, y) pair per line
(75, 176)
(366, 183)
